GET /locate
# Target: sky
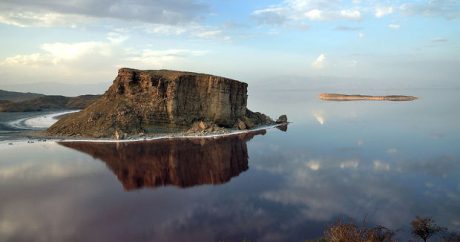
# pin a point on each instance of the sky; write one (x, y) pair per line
(76, 47)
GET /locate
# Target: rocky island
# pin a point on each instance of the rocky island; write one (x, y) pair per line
(144, 102)
(344, 97)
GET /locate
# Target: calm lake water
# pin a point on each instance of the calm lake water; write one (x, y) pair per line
(382, 162)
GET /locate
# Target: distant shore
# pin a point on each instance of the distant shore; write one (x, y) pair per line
(355, 97)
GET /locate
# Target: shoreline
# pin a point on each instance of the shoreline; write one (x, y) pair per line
(43, 139)
(38, 122)
(172, 136)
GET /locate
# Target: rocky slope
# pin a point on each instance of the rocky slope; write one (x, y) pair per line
(18, 96)
(47, 103)
(143, 102)
(178, 162)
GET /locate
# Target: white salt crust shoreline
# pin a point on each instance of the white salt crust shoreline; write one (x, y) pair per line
(44, 121)
(171, 136)
(38, 122)
(36, 140)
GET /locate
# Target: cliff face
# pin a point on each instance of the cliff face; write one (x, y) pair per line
(178, 98)
(162, 101)
(180, 162)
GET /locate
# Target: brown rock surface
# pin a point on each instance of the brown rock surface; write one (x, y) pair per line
(356, 97)
(48, 102)
(178, 162)
(161, 101)
(282, 119)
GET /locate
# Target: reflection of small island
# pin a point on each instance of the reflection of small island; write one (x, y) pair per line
(344, 97)
(178, 162)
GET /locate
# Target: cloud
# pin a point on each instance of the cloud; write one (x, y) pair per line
(349, 164)
(40, 19)
(346, 28)
(299, 11)
(381, 165)
(313, 165)
(352, 14)
(164, 29)
(439, 40)
(55, 53)
(87, 62)
(394, 26)
(58, 52)
(315, 14)
(53, 12)
(193, 30)
(289, 12)
(270, 16)
(159, 57)
(449, 9)
(382, 11)
(161, 17)
(320, 62)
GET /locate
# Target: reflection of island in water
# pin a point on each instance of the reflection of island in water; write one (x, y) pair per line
(178, 162)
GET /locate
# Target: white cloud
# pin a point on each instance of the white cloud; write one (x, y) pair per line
(315, 14)
(117, 37)
(66, 53)
(381, 11)
(164, 29)
(381, 165)
(71, 51)
(394, 26)
(313, 165)
(87, 62)
(58, 52)
(351, 14)
(40, 18)
(270, 15)
(209, 34)
(29, 59)
(301, 10)
(449, 9)
(49, 13)
(159, 57)
(193, 30)
(350, 164)
(320, 62)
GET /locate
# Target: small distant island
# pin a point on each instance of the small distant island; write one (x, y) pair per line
(345, 97)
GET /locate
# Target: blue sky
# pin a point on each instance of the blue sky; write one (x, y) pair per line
(75, 47)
